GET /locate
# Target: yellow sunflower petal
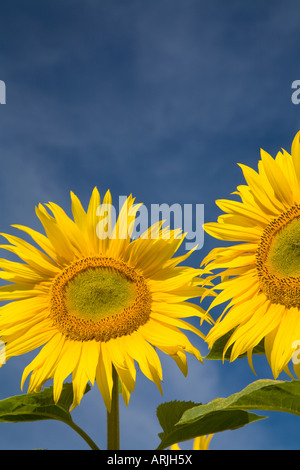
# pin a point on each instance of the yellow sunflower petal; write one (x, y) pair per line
(66, 363)
(104, 376)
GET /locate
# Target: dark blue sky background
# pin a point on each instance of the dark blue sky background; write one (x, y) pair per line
(160, 99)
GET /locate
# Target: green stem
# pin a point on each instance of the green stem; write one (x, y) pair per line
(113, 424)
(83, 434)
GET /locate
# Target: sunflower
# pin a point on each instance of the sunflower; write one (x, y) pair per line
(200, 443)
(260, 274)
(95, 301)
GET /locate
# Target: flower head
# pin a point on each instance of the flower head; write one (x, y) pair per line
(92, 298)
(260, 275)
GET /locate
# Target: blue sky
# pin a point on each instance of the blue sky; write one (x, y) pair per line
(160, 99)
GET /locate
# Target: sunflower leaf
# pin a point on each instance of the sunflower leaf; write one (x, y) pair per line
(37, 406)
(264, 394)
(170, 416)
(216, 352)
(170, 413)
(233, 412)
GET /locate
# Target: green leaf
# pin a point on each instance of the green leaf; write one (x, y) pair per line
(169, 414)
(38, 406)
(232, 412)
(271, 395)
(216, 352)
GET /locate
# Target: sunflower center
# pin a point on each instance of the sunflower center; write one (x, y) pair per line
(99, 298)
(284, 252)
(278, 259)
(98, 293)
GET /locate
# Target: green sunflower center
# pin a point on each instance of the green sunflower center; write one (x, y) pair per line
(98, 293)
(278, 259)
(99, 298)
(284, 252)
